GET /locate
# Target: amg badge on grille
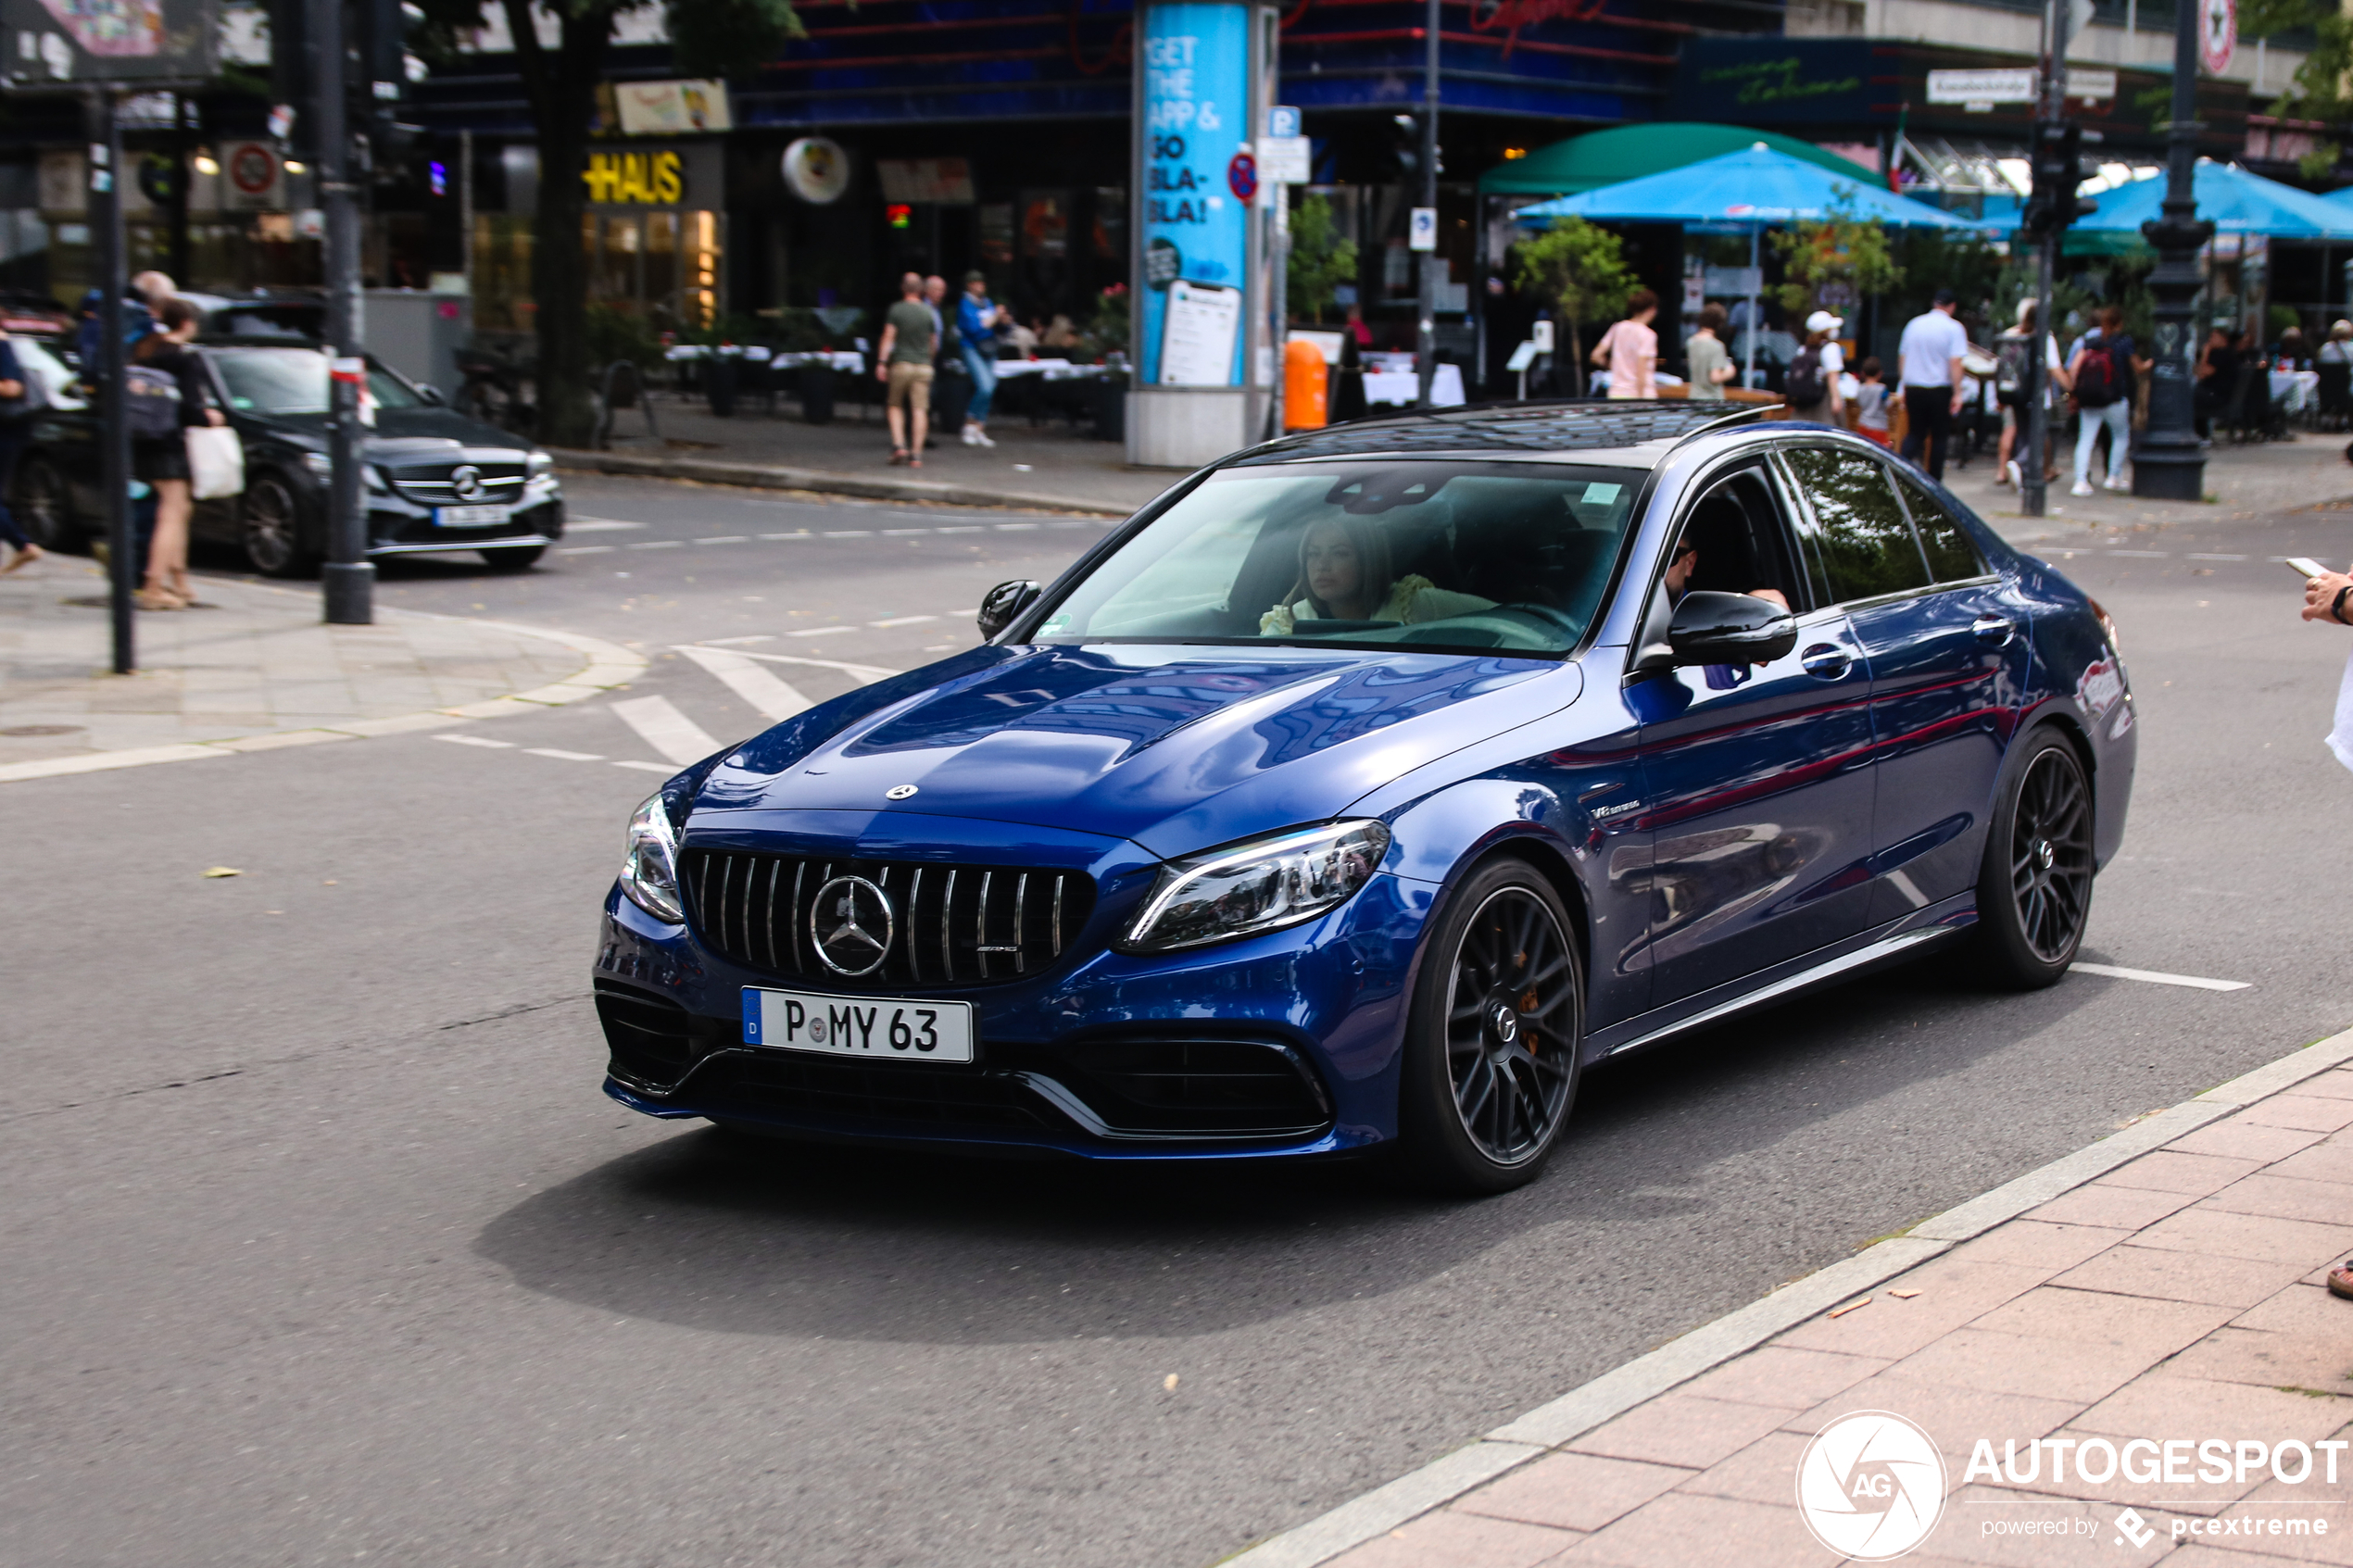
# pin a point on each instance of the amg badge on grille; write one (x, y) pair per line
(852, 926)
(899, 792)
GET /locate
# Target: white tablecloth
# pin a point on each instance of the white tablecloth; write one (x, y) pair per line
(1401, 388)
(2294, 388)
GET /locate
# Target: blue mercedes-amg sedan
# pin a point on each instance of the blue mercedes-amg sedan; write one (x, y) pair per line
(1368, 785)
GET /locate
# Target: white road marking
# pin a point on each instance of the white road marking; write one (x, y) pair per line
(563, 756)
(586, 550)
(731, 642)
(769, 697)
(2155, 978)
(973, 529)
(475, 740)
(578, 524)
(659, 544)
(1016, 527)
(2196, 555)
(819, 631)
(804, 533)
(960, 614)
(661, 725)
(901, 620)
(650, 767)
(850, 533)
(903, 533)
(2153, 555)
(725, 539)
(864, 671)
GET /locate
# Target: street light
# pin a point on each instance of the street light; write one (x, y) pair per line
(2169, 465)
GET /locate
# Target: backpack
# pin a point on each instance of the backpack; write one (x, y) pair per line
(2096, 378)
(1805, 383)
(2009, 374)
(150, 403)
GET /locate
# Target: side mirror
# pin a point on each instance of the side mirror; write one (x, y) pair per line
(431, 394)
(1712, 628)
(1003, 604)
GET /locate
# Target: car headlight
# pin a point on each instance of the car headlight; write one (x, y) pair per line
(319, 464)
(539, 465)
(649, 869)
(1263, 887)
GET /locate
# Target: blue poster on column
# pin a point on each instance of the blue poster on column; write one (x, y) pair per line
(1197, 180)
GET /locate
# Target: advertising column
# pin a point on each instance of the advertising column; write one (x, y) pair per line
(1200, 91)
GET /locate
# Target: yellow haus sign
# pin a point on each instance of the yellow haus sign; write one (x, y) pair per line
(635, 179)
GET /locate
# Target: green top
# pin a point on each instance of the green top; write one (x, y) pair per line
(912, 346)
(1629, 152)
(1707, 353)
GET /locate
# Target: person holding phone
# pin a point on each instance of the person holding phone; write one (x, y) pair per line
(2328, 596)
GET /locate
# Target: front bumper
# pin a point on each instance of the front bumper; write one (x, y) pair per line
(397, 526)
(1285, 1044)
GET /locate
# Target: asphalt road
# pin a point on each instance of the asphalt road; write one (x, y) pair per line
(323, 1244)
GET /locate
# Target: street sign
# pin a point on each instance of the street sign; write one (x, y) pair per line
(1283, 160)
(112, 41)
(2218, 33)
(1284, 122)
(2007, 85)
(2091, 85)
(1422, 233)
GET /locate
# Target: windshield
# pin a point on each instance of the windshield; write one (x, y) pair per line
(294, 381)
(1406, 555)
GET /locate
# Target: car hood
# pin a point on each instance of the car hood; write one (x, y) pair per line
(406, 431)
(1175, 748)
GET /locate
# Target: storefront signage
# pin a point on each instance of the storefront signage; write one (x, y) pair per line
(943, 182)
(1195, 61)
(816, 170)
(635, 179)
(672, 108)
(2013, 86)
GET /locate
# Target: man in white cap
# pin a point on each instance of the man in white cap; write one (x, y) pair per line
(1811, 388)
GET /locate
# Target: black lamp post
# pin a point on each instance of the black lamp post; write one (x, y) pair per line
(2168, 464)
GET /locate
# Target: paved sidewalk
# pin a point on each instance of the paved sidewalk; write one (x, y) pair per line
(2247, 482)
(254, 667)
(2177, 1296)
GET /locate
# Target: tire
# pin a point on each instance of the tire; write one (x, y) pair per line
(2035, 891)
(270, 527)
(1493, 1037)
(44, 505)
(522, 560)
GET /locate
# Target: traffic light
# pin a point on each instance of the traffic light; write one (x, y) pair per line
(1407, 147)
(2055, 159)
(384, 68)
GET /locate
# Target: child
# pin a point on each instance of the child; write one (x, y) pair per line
(1870, 403)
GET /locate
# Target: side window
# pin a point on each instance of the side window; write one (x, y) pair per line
(1863, 538)
(1951, 557)
(1743, 541)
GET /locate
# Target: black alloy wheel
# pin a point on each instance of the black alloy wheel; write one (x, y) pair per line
(521, 558)
(270, 527)
(2034, 893)
(1491, 1053)
(43, 506)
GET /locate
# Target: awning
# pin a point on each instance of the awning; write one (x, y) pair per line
(1629, 152)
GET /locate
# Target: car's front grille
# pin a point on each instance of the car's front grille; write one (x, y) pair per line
(1206, 1087)
(949, 926)
(652, 1040)
(432, 484)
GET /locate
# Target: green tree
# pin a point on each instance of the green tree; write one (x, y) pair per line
(708, 38)
(1841, 256)
(1580, 270)
(2322, 88)
(1320, 258)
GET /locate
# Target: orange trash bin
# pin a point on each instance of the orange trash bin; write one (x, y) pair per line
(1305, 382)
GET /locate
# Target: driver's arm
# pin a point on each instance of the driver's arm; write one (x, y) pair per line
(1772, 594)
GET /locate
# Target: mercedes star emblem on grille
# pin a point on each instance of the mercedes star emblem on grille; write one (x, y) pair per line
(852, 926)
(465, 482)
(899, 792)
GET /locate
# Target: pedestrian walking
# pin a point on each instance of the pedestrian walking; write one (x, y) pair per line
(1870, 403)
(1929, 366)
(1629, 349)
(1706, 358)
(159, 423)
(1811, 386)
(2103, 373)
(21, 398)
(976, 322)
(904, 369)
(2014, 349)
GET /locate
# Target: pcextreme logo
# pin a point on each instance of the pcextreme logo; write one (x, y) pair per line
(1870, 1485)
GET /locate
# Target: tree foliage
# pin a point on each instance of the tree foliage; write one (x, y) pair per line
(2322, 88)
(1321, 259)
(1580, 270)
(1842, 256)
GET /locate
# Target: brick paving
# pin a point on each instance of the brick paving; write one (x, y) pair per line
(2178, 1295)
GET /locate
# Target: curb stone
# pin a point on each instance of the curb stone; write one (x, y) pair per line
(608, 665)
(768, 476)
(1563, 1420)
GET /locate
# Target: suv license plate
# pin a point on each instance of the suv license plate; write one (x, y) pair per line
(871, 1028)
(469, 517)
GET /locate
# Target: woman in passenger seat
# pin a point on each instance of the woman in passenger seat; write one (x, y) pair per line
(1344, 574)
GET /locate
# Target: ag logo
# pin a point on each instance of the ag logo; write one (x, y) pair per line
(1870, 1485)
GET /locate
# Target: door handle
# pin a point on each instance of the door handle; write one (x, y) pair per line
(1994, 631)
(1826, 661)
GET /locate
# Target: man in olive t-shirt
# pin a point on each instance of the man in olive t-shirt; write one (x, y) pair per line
(905, 369)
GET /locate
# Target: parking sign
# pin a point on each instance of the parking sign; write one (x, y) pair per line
(1422, 234)
(1282, 121)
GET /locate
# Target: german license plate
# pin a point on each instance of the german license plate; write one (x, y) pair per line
(869, 1028)
(469, 517)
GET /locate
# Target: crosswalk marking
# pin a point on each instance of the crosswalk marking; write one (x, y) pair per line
(661, 725)
(863, 671)
(2154, 977)
(564, 756)
(770, 698)
(477, 740)
(647, 766)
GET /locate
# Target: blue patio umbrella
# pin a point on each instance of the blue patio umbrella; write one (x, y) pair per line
(2238, 202)
(1754, 186)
